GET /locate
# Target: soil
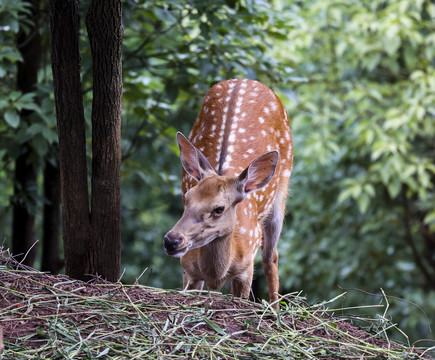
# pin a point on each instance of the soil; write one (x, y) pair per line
(26, 322)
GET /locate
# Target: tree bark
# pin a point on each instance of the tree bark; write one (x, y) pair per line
(65, 60)
(29, 45)
(104, 25)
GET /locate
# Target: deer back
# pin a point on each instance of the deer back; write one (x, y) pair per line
(239, 121)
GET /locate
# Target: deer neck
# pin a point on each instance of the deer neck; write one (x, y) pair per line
(215, 259)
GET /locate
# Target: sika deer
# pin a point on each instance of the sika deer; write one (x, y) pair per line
(237, 166)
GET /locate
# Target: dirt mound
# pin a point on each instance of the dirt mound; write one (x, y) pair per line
(56, 317)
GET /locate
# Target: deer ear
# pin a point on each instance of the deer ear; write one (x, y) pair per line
(258, 174)
(193, 160)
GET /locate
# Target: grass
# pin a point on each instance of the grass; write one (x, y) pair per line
(54, 317)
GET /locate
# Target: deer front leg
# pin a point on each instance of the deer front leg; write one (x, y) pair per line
(191, 284)
(241, 284)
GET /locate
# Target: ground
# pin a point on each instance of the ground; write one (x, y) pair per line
(47, 316)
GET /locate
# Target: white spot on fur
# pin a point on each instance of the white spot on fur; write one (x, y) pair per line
(287, 135)
(274, 106)
(227, 162)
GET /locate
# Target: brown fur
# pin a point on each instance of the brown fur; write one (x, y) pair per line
(242, 125)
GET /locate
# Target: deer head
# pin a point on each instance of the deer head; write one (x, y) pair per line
(210, 206)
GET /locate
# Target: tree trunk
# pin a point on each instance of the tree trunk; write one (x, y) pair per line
(65, 59)
(50, 246)
(23, 219)
(104, 24)
(29, 45)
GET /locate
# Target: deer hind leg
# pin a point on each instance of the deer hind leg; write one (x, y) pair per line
(272, 227)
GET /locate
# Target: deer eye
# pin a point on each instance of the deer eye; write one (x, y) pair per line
(218, 211)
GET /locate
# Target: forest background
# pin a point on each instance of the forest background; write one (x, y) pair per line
(358, 81)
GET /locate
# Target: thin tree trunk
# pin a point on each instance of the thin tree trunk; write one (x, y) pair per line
(65, 59)
(104, 24)
(29, 45)
(23, 222)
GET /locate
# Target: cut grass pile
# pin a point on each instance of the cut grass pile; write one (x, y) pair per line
(54, 317)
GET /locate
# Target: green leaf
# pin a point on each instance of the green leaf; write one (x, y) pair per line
(394, 187)
(363, 202)
(429, 219)
(40, 145)
(12, 118)
(369, 189)
(215, 327)
(10, 53)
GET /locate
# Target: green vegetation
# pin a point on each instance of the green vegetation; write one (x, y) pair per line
(358, 80)
(362, 210)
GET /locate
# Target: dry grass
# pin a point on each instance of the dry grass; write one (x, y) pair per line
(55, 317)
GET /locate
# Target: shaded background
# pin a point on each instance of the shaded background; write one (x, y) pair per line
(357, 78)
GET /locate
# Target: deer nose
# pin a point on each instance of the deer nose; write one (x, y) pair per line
(172, 242)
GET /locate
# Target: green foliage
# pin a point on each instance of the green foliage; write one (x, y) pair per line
(27, 119)
(362, 210)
